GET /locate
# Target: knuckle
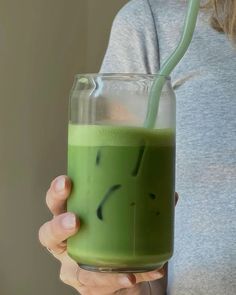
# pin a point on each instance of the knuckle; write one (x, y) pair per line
(49, 233)
(51, 200)
(48, 200)
(41, 235)
(64, 276)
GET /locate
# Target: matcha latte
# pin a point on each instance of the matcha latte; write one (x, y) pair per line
(123, 192)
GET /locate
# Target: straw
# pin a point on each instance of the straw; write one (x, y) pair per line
(171, 62)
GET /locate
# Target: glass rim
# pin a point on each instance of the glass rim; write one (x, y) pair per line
(121, 75)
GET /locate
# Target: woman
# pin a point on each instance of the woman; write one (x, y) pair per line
(144, 33)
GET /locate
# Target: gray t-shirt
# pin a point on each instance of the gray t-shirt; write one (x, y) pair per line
(143, 35)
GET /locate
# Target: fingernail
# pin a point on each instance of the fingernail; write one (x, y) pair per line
(69, 221)
(125, 281)
(60, 184)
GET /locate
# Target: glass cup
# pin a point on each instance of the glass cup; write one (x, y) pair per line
(123, 174)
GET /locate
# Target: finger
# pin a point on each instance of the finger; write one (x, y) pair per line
(176, 198)
(54, 232)
(105, 280)
(57, 194)
(106, 290)
(68, 272)
(150, 276)
(71, 274)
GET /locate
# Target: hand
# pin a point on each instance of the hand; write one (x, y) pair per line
(53, 235)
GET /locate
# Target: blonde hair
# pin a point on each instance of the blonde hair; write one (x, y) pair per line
(223, 17)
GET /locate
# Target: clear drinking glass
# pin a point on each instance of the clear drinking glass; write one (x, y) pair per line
(123, 174)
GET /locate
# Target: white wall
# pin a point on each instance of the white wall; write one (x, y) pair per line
(43, 43)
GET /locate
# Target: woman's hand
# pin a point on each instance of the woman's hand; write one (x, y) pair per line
(55, 232)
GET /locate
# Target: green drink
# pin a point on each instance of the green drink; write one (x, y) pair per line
(123, 192)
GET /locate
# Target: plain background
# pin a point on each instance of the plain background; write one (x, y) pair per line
(43, 44)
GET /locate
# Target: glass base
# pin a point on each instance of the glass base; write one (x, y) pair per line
(120, 269)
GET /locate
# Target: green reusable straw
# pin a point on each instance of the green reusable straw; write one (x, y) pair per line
(171, 62)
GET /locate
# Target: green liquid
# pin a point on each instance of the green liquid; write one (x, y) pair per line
(123, 192)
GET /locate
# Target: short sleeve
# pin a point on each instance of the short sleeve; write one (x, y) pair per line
(133, 44)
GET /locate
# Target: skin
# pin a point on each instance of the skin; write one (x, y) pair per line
(55, 232)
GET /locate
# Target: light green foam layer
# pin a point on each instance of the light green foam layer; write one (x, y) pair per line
(96, 135)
